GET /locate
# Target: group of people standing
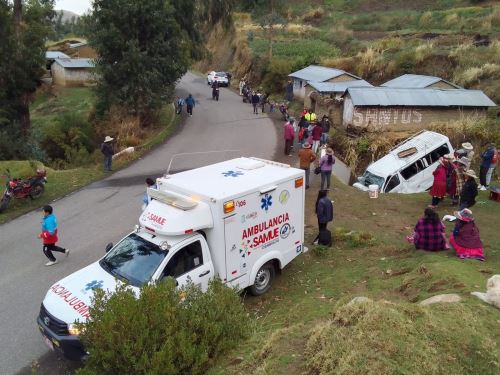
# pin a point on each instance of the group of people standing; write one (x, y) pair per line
(455, 178)
(311, 134)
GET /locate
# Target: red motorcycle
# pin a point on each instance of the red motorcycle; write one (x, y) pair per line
(18, 188)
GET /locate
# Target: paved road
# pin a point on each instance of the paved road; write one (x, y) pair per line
(106, 210)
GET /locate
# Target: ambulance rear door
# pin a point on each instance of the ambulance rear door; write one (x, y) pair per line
(269, 220)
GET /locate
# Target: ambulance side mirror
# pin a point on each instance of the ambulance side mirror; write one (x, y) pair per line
(109, 246)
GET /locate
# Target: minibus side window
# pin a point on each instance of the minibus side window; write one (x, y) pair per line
(434, 156)
(392, 183)
(413, 169)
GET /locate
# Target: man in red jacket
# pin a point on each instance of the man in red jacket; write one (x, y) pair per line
(289, 136)
(317, 130)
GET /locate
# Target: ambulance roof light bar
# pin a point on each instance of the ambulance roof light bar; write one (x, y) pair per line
(172, 199)
(271, 162)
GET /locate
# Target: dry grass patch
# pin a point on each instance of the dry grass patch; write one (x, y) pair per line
(386, 338)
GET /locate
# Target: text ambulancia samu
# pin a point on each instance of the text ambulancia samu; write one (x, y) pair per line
(258, 233)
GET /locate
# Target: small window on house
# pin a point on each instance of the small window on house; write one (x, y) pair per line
(300, 83)
(413, 169)
(392, 183)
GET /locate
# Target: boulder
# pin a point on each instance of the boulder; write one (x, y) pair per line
(356, 300)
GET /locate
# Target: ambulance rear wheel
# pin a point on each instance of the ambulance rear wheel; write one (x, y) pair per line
(263, 279)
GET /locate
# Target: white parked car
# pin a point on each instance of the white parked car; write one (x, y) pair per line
(221, 77)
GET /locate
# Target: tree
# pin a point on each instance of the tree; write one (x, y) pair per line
(144, 47)
(271, 23)
(24, 27)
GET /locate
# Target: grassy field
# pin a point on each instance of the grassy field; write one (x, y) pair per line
(303, 323)
(45, 108)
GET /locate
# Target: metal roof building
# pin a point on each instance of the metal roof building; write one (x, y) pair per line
(331, 87)
(419, 81)
(75, 63)
(52, 55)
(386, 96)
(319, 73)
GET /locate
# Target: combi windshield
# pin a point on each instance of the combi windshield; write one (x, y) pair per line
(134, 259)
(372, 179)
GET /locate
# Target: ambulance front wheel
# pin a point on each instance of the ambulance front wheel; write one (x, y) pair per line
(263, 279)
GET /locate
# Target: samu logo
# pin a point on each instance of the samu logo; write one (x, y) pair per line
(285, 230)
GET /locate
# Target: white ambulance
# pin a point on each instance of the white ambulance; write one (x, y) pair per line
(240, 220)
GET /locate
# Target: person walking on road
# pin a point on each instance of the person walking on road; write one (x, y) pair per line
(289, 136)
(306, 157)
(255, 102)
(326, 165)
(180, 104)
(49, 236)
(107, 150)
(324, 213)
(190, 104)
(215, 90)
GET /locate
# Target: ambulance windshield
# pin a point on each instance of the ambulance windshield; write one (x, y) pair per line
(134, 260)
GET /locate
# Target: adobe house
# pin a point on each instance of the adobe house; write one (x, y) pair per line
(326, 97)
(73, 72)
(50, 56)
(317, 73)
(418, 81)
(400, 109)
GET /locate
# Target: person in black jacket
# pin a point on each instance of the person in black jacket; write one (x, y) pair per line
(107, 150)
(255, 102)
(469, 190)
(324, 212)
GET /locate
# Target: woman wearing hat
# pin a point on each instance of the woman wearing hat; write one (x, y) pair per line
(469, 190)
(326, 164)
(465, 237)
(457, 180)
(438, 189)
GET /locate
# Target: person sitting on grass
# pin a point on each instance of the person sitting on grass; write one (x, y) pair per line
(465, 237)
(429, 233)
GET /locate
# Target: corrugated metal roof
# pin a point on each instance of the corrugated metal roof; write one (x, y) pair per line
(318, 73)
(386, 96)
(327, 87)
(415, 81)
(55, 55)
(75, 63)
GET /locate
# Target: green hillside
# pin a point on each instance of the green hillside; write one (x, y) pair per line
(379, 40)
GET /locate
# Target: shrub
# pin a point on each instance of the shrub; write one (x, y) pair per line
(163, 331)
(320, 250)
(276, 75)
(70, 138)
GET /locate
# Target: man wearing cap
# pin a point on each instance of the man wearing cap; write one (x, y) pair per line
(107, 150)
(469, 190)
(306, 157)
(487, 162)
(317, 130)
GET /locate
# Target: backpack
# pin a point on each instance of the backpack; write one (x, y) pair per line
(325, 238)
(494, 158)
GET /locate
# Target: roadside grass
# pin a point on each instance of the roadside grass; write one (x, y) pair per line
(370, 257)
(64, 181)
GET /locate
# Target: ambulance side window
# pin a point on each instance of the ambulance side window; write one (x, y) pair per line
(184, 260)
